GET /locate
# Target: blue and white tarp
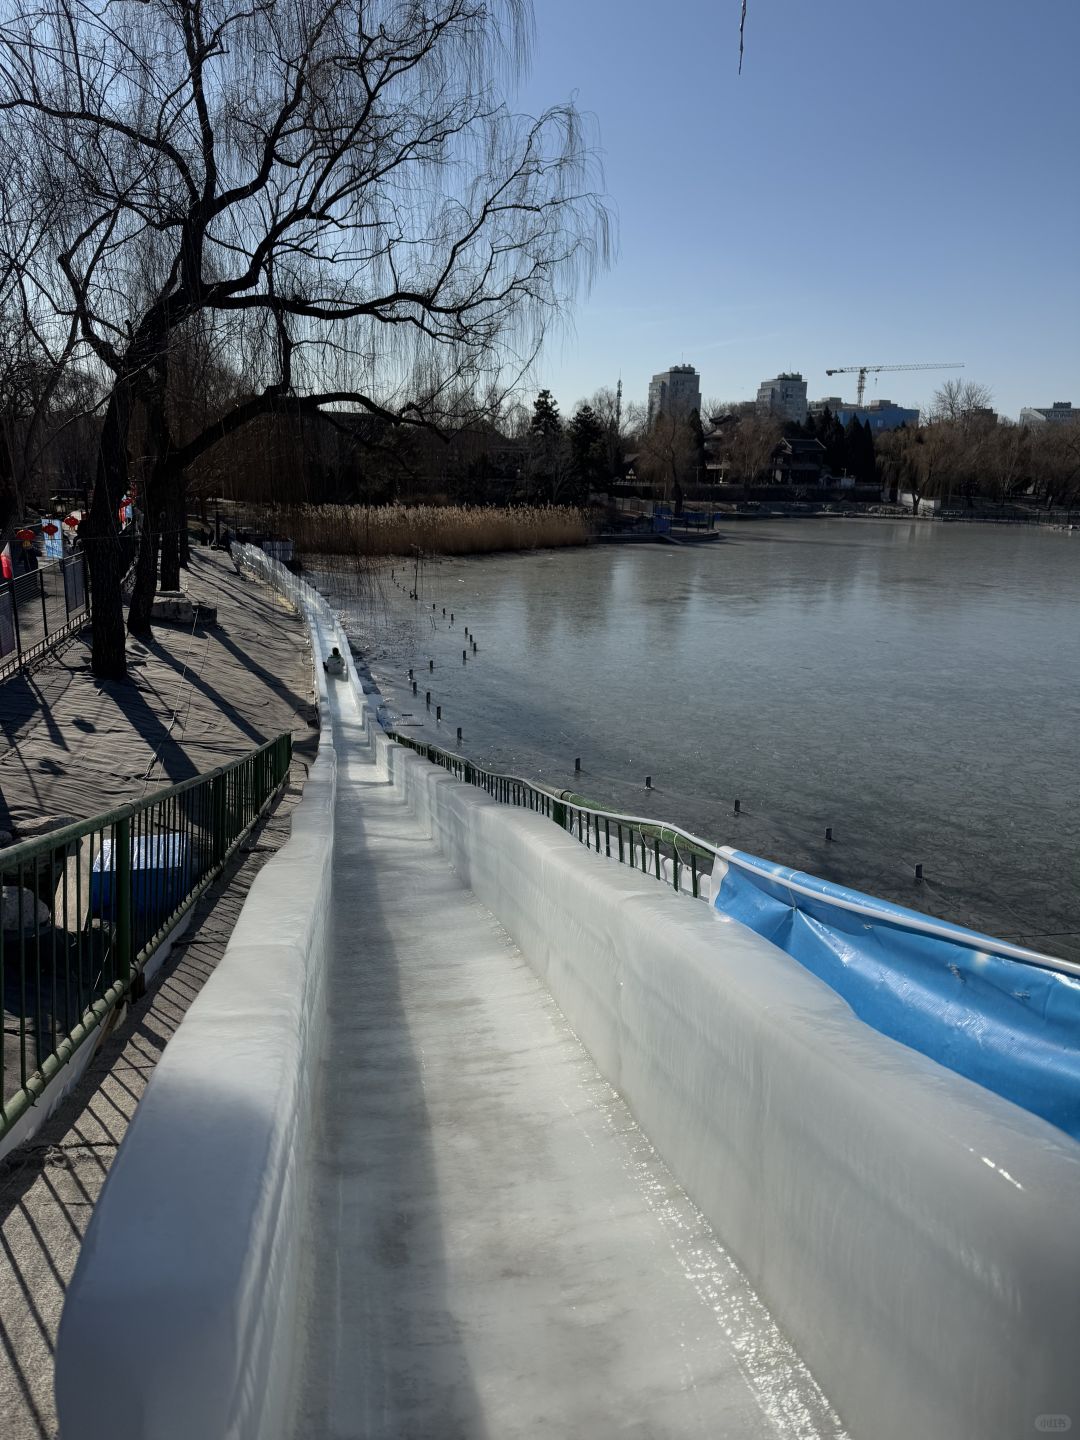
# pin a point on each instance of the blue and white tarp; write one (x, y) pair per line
(1001, 1015)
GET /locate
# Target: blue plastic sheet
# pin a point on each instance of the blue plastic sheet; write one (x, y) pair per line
(1009, 1025)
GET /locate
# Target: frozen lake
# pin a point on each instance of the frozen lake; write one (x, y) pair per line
(913, 686)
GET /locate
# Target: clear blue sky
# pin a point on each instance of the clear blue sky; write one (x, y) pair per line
(884, 183)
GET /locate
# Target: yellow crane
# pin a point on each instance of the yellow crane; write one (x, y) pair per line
(863, 370)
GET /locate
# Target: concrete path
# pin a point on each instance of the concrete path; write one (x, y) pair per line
(72, 746)
(498, 1251)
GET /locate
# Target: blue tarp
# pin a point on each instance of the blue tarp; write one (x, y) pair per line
(1011, 1026)
(160, 875)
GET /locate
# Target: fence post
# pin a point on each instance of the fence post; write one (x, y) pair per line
(122, 871)
(217, 804)
(40, 573)
(15, 620)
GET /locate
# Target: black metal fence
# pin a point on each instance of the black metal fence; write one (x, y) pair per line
(663, 851)
(39, 608)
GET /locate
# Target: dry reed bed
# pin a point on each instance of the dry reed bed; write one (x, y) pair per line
(433, 529)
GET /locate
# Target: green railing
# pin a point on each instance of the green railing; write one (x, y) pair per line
(86, 906)
(671, 855)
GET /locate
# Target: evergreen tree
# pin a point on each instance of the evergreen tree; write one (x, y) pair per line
(868, 468)
(831, 434)
(859, 446)
(546, 421)
(545, 447)
(588, 452)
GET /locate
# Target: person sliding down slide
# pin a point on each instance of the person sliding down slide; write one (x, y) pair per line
(334, 664)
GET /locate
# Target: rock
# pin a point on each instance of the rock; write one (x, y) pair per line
(176, 608)
(21, 912)
(43, 824)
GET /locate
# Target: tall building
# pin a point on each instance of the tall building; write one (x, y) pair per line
(674, 392)
(1060, 413)
(784, 397)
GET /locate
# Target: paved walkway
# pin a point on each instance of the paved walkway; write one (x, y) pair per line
(499, 1251)
(71, 745)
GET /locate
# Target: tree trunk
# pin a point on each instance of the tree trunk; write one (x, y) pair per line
(10, 507)
(185, 539)
(171, 553)
(142, 597)
(106, 557)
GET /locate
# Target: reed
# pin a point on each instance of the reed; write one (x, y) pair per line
(433, 529)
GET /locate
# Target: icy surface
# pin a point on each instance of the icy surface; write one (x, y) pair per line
(478, 1241)
(914, 1234)
(498, 1249)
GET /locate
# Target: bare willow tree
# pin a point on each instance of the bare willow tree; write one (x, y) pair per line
(666, 455)
(339, 184)
(744, 441)
(960, 401)
(34, 351)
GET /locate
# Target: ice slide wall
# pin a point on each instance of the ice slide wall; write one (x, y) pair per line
(917, 1236)
(180, 1321)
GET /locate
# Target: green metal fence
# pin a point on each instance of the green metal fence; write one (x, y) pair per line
(86, 906)
(671, 855)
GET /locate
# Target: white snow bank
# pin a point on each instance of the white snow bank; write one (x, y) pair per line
(180, 1320)
(917, 1236)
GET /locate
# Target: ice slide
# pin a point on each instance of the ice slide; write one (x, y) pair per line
(498, 1250)
(377, 1186)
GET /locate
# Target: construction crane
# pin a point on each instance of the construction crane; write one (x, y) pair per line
(863, 370)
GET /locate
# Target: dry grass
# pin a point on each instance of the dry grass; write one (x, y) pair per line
(435, 529)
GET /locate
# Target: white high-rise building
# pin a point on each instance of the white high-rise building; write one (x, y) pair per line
(784, 397)
(674, 392)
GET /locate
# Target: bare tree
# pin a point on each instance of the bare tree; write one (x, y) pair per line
(1055, 462)
(747, 445)
(666, 455)
(1005, 459)
(338, 180)
(714, 409)
(959, 401)
(616, 422)
(33, 355)
(925, 464)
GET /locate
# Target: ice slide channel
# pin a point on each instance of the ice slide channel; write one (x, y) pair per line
(491, 1247)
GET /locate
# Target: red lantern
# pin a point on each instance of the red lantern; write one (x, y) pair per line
(72, 521)
(26, 536)
(51, 529)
